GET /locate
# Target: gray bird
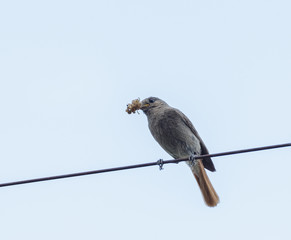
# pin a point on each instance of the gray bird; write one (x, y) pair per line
(177, 136)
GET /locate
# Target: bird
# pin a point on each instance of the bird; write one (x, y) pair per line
(176, 134)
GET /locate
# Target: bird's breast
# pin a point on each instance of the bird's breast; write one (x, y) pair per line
(174, 136)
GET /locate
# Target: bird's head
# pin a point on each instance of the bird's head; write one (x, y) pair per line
(151, 103)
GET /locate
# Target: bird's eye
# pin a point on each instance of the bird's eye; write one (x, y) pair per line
(151, 100)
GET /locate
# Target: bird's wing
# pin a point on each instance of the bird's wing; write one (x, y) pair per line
(207, 162)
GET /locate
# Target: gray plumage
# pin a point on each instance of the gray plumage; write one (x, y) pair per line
(174, 131)
(178, 137)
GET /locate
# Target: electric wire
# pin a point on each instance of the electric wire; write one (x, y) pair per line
(159, 163)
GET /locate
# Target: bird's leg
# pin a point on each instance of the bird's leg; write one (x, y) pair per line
(192, 159)
(160, 162)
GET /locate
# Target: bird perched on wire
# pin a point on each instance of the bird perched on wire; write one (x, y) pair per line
(178, 137)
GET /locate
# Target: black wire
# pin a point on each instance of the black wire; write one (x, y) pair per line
(159, 163)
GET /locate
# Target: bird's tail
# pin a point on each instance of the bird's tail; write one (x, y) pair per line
(210, 196)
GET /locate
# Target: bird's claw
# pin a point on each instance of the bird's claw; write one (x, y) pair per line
(160, 162)
(192, 159)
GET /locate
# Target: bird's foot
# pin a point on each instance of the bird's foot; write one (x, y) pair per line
(192, 159)
(160, 162)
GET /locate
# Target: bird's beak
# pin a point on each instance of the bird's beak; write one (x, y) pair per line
(144, 106)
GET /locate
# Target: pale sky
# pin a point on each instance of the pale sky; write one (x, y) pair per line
(68, 69)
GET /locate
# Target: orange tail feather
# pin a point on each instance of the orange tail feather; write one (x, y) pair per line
(210, 196)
